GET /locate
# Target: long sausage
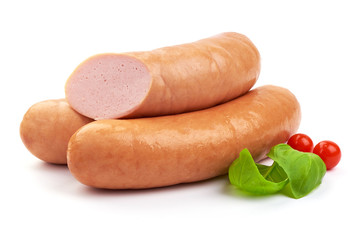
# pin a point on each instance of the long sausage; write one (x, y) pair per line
(164, 81)
(167, 150)
(47, 127)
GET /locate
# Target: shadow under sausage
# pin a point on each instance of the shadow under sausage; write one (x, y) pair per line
(53, 176)
(156, 190)
(52, 166)
(58, 176)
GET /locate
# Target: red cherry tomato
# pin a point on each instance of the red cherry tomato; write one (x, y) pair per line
(301, 142)
(329, 152)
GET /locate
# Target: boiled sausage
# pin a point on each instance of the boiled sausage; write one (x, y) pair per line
(164, 81)
(47, 127)
(167, 150)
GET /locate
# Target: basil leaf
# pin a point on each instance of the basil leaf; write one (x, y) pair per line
(295, 173)
(304, 170)
(273, 173)
(256, 178)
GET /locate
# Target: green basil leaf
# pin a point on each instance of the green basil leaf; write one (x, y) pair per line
(273, 173)
(304, 170)
(256, 178)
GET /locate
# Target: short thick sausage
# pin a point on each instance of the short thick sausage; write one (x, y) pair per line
(162, 151)
(164, 81)
(47, 127)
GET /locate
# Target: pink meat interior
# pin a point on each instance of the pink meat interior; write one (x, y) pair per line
(108, 86)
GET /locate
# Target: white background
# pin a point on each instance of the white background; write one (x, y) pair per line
(311, 47)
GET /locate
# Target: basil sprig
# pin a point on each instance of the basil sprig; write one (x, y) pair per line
(296, 173)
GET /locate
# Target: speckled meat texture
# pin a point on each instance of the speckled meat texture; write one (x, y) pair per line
(47, 127)
(167, 150)
(164, 81)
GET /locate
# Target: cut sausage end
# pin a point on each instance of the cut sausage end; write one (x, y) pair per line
(108, 86)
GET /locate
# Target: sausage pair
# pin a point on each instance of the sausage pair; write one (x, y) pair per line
(163, 150)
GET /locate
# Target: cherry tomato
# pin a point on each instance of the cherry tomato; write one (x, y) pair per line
(329, 152)
(301, 142)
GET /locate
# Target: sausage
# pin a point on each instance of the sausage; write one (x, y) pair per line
(167, 150)
(47, 127)
(164, 81)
